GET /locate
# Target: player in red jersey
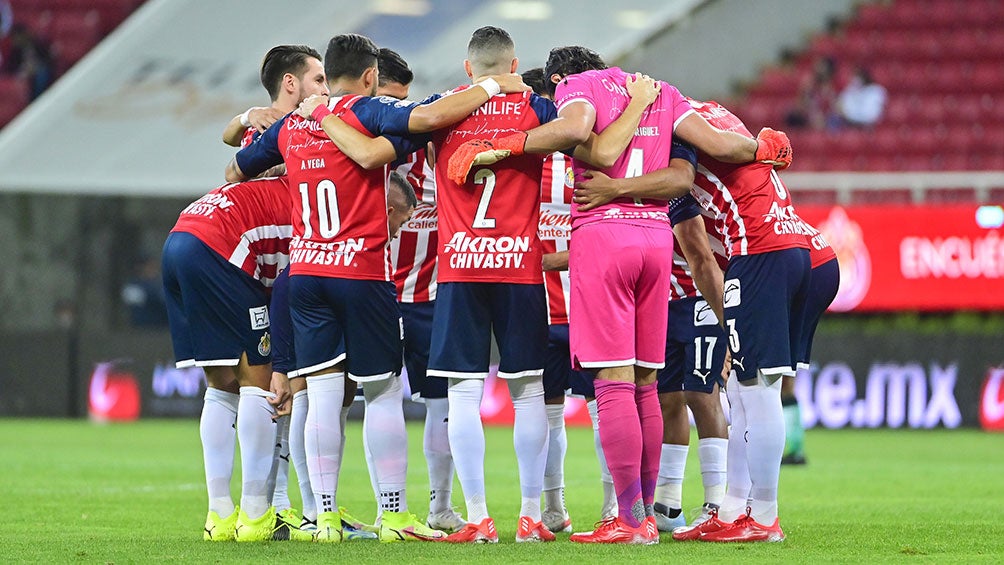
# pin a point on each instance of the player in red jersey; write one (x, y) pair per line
(232, 243)
(289, 74)
(344, 314)
(414, 256)
(823, 284)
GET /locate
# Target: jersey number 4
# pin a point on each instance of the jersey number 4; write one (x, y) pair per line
(328, 220)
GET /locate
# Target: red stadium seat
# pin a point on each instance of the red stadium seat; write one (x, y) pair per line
(814, 197)
(959, 195)
(14, 95)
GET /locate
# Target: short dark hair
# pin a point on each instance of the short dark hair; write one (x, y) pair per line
(349, 55)
(570, 60)
(402, 184)
(393, 68)
(283, 59)
(534, 78)
(485, 46)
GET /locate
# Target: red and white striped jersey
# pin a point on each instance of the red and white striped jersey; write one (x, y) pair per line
(681, 280)
(414, 250)
(819, 249)
(555, 229)
(248, 223)
(752, 207)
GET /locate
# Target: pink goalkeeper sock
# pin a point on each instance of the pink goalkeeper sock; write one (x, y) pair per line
(650, 416)
(620, 435)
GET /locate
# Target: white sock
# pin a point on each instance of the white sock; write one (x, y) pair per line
(256, 433)
(609, 507)
(766, 446)
(669, 486)
(297, 421)
(737, 469)
(467, 443)
(217, 428)
(387, 440)
(712, 453)
(436, 446)
(322, 437)
(530, 431)
(554, 466)
(280, 480)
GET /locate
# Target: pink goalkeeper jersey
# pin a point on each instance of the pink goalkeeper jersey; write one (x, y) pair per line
(649, 150)
(752, 207)
(413, 252)
(555, 229)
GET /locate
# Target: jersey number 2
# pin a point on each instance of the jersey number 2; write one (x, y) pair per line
(487, 178)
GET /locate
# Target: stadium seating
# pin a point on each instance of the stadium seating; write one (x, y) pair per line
(940, 61)
(70, 28)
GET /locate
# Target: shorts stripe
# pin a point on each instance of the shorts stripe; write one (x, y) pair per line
(521, 374)
(314, 368)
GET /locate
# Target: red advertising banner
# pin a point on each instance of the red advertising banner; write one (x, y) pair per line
(926, 258)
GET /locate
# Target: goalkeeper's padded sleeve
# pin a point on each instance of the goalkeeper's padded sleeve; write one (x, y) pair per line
(483, 152)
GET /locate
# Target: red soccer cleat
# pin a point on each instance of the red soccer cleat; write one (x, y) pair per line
(530, 530)
(483, 532)
(613, 530)
(692, 532)
(746, 529)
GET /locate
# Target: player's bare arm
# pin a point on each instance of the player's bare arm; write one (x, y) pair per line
(664, 184)
(602, 150)
(451, 109)
(258, 117)
(368, 152)
(708, 277)
(770, 146)
(234, 173)
(556, 261)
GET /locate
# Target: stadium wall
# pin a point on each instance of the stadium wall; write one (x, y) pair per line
(858, 379)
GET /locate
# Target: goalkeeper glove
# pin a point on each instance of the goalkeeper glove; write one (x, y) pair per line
(773, 147)
(483, 152)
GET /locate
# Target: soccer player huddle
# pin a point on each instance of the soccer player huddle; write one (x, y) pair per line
(392, 232)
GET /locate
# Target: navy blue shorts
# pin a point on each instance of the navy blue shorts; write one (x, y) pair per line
(823, 283)
(468, 313)
(695, 348)
(559, 376)
(356, 321)
(417, 317)
(283, 353)
(217, 312)
(764, 300)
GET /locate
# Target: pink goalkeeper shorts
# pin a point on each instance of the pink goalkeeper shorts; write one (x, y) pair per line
(620, 277)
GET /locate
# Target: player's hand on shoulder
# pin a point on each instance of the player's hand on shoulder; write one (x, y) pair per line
(596, 190)
(262, 118)
(511, 83)
(643, 88)
(310, 103)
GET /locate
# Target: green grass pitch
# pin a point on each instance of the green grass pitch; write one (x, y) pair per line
(78, 492)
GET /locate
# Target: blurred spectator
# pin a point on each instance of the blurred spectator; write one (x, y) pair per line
(862, 101)
(30, 58)
(816, 106)
(143, 294)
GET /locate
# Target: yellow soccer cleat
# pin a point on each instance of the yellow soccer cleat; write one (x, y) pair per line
(220, 529)
(405, 526)
(329, 528)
